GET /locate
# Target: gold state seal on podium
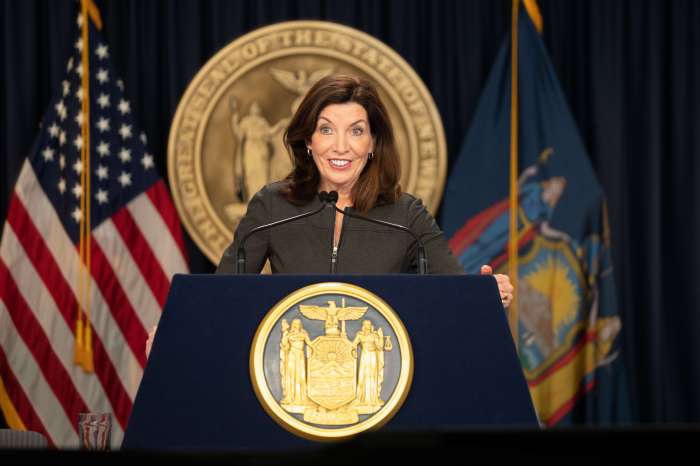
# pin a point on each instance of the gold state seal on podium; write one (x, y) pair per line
(331, 360)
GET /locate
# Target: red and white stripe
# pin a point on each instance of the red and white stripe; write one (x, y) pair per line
(134, 256)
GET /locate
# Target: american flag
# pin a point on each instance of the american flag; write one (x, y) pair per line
(136, 247)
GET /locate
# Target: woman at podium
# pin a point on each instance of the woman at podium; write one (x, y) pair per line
(341, 141)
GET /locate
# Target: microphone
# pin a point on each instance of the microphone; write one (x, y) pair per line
(422, 260)
(240, 252)
(329, 197)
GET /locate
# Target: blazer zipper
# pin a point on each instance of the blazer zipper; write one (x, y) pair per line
(334, 250)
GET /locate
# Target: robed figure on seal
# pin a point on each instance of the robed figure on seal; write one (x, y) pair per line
(293, 366)
(371, 371)
(258, 141)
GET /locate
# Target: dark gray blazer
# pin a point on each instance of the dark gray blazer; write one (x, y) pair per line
(305, 246)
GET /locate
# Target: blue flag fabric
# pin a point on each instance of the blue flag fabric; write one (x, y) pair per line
(568, 315)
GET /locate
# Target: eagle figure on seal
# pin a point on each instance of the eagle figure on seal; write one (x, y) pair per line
(332, 314)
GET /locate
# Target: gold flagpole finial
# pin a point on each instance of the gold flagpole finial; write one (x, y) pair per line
(93, 13)
(533, 10)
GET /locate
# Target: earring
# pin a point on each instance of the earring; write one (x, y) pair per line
(370, 156)
(308, 152)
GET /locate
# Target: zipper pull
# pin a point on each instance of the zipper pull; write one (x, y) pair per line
(334, 258)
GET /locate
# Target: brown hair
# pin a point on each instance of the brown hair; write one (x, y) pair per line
(379, 180)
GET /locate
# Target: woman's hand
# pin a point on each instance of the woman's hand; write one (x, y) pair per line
(149, 341)
(505, 288)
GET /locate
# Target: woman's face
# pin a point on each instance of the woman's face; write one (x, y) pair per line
(340, 144)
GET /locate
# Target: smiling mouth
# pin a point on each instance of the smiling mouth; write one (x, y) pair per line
(339, 163)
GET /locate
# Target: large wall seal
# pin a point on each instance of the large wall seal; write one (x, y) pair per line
(226, 137)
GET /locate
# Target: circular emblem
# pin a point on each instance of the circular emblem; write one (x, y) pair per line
(226, 137)
(331, 360)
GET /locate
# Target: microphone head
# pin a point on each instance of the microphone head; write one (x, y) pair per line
(330, 197)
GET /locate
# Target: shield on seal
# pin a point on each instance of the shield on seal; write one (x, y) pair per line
(332, 371)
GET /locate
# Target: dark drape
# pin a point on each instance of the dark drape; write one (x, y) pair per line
(630, 70)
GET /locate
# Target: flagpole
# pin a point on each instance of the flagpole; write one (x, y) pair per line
(83, 331)
(89, 364)
(80, 324)
(513, 204)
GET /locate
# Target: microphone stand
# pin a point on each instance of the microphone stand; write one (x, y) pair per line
(240, 252)
(422, 261)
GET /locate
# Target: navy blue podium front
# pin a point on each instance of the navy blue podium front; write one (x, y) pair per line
(196, 391)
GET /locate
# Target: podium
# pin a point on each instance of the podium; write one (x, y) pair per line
(196, 392)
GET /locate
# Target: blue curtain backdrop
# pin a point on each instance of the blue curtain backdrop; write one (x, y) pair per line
(630, 71)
